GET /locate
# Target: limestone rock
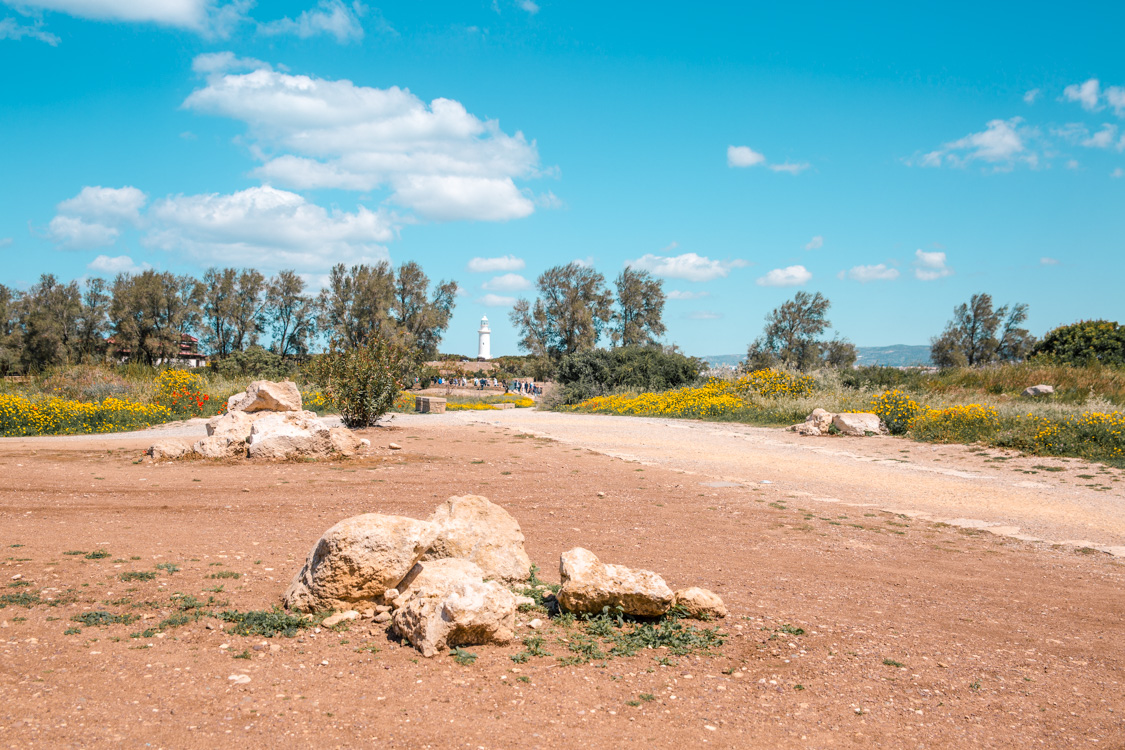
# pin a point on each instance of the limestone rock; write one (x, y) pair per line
(820, 419)
(333, 620)
(589, 585)
(858, 425)
(266, 395)
(701, 603)
(343, 441)
(219, 447)
(1038, 390)
(442, 611)
(286, 434)
(433, 575)
(357, 560)
(234, 425)
(472, 528)
(167, 450)
(807, 429)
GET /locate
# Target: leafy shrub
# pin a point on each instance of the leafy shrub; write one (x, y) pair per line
(596, 372)
(967, 423)
(181, 392)
(363, 382)
(256, 363)
(1080, 343)
(101, 617)
(896, 409)
(266, 623)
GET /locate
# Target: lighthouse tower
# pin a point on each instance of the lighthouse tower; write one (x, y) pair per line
(484, 349)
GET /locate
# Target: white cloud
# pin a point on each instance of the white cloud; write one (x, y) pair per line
(5, 241)
(207, 17)
(688, 266)
(1086, 94)
(1031, 96)
(529, 6)
(930, 266)
(436, 158)
(587, 262)
(1072, 164)
(788, 276)
(1048, 262)
(509, 282)
(682, 295)
(703, 315)
(879, 272)
(1103, 138)
(109, 205)
(1003, 143)
(743, 156)
(815, 243)
(115, 265)
(11, 29)
(496, 300)
(789, 167)
(1118, 172)
(1115, 97)
(330, 17)
(73, 233)
(493, 265)
(267, 228)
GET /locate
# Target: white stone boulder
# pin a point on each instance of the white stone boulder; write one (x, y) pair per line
(432, 575)
(234, 425)
(589, 585)
(701, 604)
(1038, 390)
(858, 425)
(343, 441)
(820, 419)
(287, 434)
(168, 450)
(447, 605)
(474, 529)
(266, 395)
(808, 429)
(219, 447)
(357, 560)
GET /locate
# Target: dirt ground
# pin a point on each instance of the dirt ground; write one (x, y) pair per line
(849, 626)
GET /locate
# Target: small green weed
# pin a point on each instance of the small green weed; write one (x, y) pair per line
(893, 663)
(225, 574)
(98, 554)
(101, 618)
(22, 599)
(266, 623)
(137, 575)
(463, 657)
(170, 567)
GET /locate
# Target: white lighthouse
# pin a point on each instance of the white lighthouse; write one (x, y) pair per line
(484, 343)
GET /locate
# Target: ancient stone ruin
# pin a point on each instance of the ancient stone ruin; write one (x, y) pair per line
(444, 582)
(265, 422)
(851, 424)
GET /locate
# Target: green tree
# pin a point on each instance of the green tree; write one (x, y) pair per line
(248, 306)
(291, 314)
(791, 337)
(48, 319)
(638, 320)
(10, 346)
(422, 317)
(572, 310)
(980, 334)
(363, 381)
(356, 304)
(218, 310)
(1084, 342)
(149, 311)
(93, 321)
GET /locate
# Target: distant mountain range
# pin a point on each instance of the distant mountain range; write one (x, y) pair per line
(899, 355)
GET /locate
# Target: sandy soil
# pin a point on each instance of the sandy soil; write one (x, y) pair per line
(915, 633)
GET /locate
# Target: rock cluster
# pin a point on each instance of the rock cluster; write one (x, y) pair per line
(1038, 390)
(852, 424)
(266, 421)
(442, 582)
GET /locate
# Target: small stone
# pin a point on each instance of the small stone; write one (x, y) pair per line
(390, 595)
(524, 601)
(333, 620)
(383, 617)
(274, 648)
(601, 494)
(394, 446)
(239, 679)
(245, 489)
(17, 576)
(535, 624)
(380, 608)
(367, 614)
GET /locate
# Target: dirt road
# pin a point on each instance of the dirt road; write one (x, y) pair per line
(849, 626)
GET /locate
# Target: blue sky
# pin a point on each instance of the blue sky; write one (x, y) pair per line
(897, 159)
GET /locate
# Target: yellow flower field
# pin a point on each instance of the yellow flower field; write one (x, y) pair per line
(19, 416)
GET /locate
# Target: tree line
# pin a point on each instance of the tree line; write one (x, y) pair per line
(142, 317)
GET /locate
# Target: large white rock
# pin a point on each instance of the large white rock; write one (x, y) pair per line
(589, 585)
(234, 425)
(266, 395)
(357, 560)
(167, 450)
(472, 528)
(433, 575)
(857, 425)
(287, 434)
(218, 446)
(343, 441)
(445, 606)
(1038, 390)
(701, 604)
(820, 419)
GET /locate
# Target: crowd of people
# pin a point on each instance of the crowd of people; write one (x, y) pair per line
(523, 387)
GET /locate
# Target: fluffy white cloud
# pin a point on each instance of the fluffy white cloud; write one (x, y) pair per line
(703, 315)
(267, 228)
(1115, 97)
(1086, 94)
(743, 156)
(788, 276)
(330, 17)
(509, 282)
(493, 265)
(436, 158)
(1031, 96)
(1118, 172)
(208, 17)
(109, 205)
(879, 272)
(529, 6)
(1103, 138)
(12, 29)
(682, 295)
(930, 266)
(815, 243)
(1002, 143)
(496, 300)
(73, 233)
(1048, 262)
(688, 266)
(114, 265)
(789, 167)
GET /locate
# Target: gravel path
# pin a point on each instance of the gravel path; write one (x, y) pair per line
(1025, 497)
